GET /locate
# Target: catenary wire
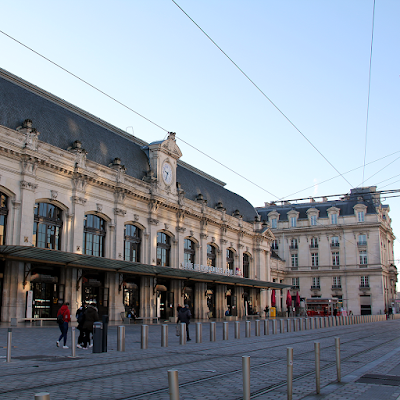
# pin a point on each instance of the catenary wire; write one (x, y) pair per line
(369, 88)
(130, 109)
(382, 169)
(337, 176)
(258, 88)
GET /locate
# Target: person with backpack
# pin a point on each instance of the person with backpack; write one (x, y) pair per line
(184, 316)
(63, 318)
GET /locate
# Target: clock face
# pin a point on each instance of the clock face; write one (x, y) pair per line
(167, 173)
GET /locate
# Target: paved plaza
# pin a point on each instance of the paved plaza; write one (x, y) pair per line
(370, 364)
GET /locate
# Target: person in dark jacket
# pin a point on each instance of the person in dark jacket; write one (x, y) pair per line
(80, 317)
(184, 316)
(66, 316)
(91, 316)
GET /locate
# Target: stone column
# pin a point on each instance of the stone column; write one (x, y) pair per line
(200, 300)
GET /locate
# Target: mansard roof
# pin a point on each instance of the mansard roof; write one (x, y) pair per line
(61, 123)
(365, 196)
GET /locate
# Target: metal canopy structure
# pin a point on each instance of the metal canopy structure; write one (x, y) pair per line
(65, 259)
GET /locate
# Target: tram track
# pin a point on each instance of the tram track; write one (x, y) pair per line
(201, 353)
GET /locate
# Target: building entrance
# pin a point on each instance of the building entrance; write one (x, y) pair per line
(131, 289)
(188, 294)
(211, 300)
(94, 292)
(47, 293)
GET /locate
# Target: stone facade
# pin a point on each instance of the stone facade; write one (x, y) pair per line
(74, 184)
(339, 248)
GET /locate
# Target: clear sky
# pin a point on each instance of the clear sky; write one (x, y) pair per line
(311, 58)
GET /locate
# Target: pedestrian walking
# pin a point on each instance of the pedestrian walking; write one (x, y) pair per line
(91, 316)
(184, 316)
(63, 318)
(80, 317)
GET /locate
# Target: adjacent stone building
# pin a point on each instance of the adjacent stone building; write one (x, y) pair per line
(335, 249)
(90, 213)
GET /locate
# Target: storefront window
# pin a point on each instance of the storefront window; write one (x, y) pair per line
(47, 226)
(93, 235)
(132, 243)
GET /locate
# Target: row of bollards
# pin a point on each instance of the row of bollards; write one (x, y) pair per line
(174, 384)
(285, 325)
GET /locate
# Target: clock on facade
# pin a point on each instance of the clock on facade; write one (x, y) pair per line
(167, 173)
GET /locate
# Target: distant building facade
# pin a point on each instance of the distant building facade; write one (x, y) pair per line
(91, 214)
(335, 249)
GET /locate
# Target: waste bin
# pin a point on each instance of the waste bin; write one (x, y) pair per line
(97, 337)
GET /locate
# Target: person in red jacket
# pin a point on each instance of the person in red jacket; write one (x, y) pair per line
(66, 318)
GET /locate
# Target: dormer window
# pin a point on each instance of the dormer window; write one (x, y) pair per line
(274, 223)
(312, 214)
(333, 214)
(360, 216)
(360, 211)
(273, 218)
(293, 222)
(292, 217)
(334, 219)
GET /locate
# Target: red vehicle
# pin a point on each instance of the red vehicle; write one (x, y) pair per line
(322, 307)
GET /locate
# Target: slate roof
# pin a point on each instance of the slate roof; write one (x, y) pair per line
(61, 123)
(345, 205)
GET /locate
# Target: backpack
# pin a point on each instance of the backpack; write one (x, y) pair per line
(60, 319)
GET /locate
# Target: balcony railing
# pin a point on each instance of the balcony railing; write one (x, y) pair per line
(335, 244)
(336, 286)
(316, 287)
(296, 287)
(293, 247)
(364, 286)
(361, 243)
(314, 246)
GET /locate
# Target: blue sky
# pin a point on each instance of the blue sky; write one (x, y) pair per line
(311, 58)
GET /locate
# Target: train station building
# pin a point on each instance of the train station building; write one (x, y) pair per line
(89, 213)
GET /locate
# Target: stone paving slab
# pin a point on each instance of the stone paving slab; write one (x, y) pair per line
(206, 370)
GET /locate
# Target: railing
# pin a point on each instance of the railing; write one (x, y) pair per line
(364, 286)
(335, 244)
(361, 243)
(293, 247)
(336, 286)
(316, 287)
(314, 246)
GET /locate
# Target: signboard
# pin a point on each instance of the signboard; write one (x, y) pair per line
(29, 300)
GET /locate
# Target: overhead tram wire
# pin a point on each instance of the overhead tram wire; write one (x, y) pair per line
(82, 80)
(337, 176)
(254, 84)
(130, 109)
(369, 88)
(382, 169)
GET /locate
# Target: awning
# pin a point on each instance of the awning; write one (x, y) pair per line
(62, 258)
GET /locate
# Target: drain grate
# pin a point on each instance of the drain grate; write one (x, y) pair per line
(376, 379)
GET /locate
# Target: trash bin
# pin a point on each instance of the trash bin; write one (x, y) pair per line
(97, 337)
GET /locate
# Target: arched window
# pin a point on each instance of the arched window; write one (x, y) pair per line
(211, 255)
(94, 234)
(230, 260)
(3, 217)
(246, 266)
(163, 249)
(189, 251)
(47, 226)
(133, 240)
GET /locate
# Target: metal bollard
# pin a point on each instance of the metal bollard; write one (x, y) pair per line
(73, 346)
(144, 342)
(198, 332)
(121, 338)
(294, 328)
(42, 396)
(173, 384)
(337, 348)
(274, 330)
(289, 352)
(246, 377)
(97, 337)
(105, 331)
(182, 333)
(288, 325)
(266, 327)
(225, 330)
(317, 367)
(257, 328)
(248, 328)
(320, 322)
(9, 338)
(237, 330)
(212, 331)
(282, 329)
(164, 335)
